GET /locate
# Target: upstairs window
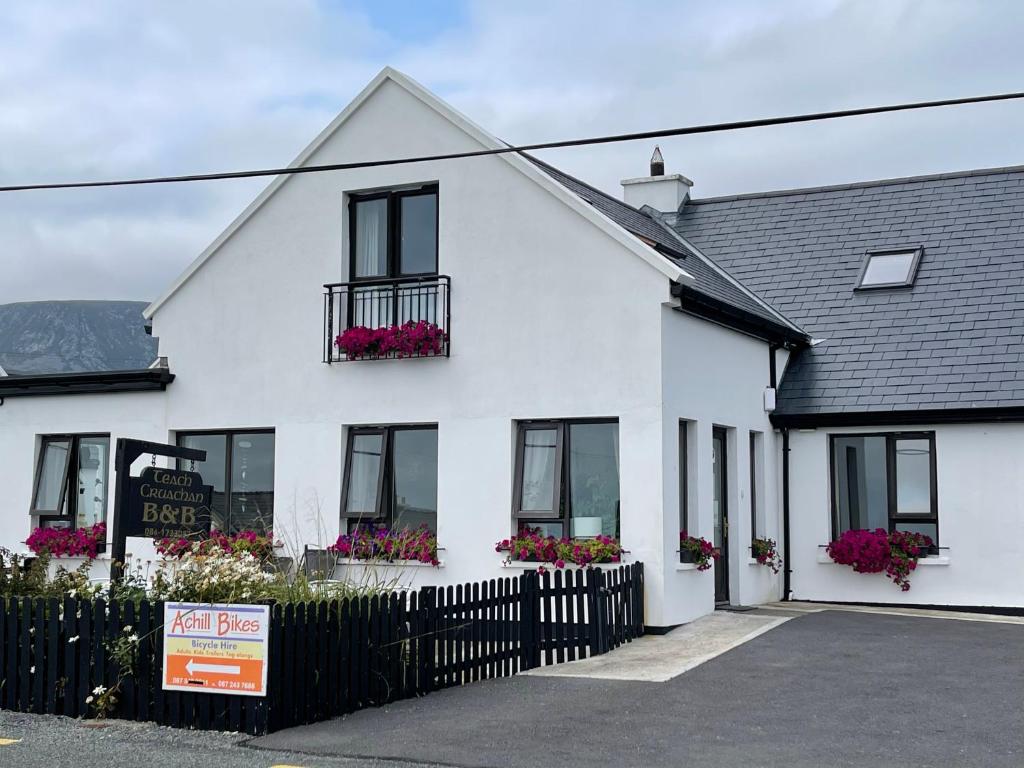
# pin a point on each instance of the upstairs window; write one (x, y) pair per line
(71, 480)
(885, 481)
(567, 477)
(393, 234)
(890, 269)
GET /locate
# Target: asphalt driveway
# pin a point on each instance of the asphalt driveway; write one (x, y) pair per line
(832, 688)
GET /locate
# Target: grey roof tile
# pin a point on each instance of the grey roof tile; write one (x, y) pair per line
(955, 339)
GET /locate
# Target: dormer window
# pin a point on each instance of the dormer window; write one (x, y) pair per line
(393, 233)
(894, 268)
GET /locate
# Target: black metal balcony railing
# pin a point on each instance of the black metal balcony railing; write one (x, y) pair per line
(386, 303)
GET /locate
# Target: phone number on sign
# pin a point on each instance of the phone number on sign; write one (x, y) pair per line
(226, 685)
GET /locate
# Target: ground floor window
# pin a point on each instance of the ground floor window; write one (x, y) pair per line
(567, 477)
(391, 477)
(72, 477)
(240, 467)
(884, 481)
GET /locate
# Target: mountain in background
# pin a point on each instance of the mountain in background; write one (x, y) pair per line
(66, 336)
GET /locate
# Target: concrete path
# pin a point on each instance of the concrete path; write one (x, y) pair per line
(657, 658)
(827, 688)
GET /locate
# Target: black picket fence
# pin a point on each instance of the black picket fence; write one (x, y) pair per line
(326, 658)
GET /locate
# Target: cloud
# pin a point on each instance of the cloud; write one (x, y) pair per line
(116, 88)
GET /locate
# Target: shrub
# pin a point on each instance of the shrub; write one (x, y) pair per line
(766, 553)
(64, 542)
(259, 545)
(377, 542)
(209, 574)
(879, 551)
(20, 580)
(704, 552)
(529, 545)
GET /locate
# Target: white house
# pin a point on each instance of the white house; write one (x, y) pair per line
(637, 367)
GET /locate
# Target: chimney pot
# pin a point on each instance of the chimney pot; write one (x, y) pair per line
(657, 162)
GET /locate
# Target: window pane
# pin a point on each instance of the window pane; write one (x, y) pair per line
(419, 234)
(860, 483)
(364, 472)
(54, 458)
(252, 482)
(755, 459)
(371, 247)
(888, 268)
(913, 477)
(212, 470)
(414, 459)
(928, 529)
(719, 499)
(539, 451)
(594, 478)
(93, 476)
(684, 472)
(545, 528)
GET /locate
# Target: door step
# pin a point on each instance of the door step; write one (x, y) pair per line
(734, 608)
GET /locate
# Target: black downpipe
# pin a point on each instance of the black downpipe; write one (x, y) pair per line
(787, 569)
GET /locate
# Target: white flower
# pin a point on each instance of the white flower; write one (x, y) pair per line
(73, 639)
(99, 690)
(88, 699)
(127, 628)
(133, 638)
(32, 670)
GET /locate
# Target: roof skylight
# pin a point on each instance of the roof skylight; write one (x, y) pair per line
(890, 269)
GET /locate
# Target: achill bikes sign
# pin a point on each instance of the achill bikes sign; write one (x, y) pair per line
(167, 503)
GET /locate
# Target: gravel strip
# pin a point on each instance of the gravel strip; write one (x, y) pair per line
(61, 742)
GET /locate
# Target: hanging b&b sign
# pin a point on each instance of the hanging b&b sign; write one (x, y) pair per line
(167, 503)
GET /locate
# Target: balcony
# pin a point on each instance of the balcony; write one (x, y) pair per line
(387, 318)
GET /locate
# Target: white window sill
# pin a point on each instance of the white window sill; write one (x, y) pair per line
(923, 561)
(686, 566)
(386, 564)
(524, 565)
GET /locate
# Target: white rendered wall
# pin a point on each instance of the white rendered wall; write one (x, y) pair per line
(980, 477)
(551, 318)
(715, 377)
(23, 419)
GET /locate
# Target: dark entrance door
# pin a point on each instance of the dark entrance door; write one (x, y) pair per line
(719, 440)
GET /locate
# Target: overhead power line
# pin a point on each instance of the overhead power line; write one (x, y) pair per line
(658, 134)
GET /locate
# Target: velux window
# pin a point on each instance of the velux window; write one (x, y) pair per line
(240, 467)
(567, 477)
(71, 480)
(391, 477)
(890, 269)
(884, 481)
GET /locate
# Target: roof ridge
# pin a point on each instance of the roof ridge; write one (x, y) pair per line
(860, 184)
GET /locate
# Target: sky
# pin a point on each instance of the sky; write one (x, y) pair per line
(118, 88)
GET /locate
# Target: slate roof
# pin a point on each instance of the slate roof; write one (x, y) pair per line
(711, 279)
(954, 340)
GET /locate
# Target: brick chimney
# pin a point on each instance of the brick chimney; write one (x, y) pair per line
(661, 192)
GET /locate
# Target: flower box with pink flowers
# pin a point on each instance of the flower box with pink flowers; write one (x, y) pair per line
(411, 339)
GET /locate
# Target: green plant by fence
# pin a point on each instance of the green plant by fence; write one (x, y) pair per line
(326, 658)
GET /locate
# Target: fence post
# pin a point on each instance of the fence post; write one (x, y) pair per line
(428, 627)
(529, 621)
